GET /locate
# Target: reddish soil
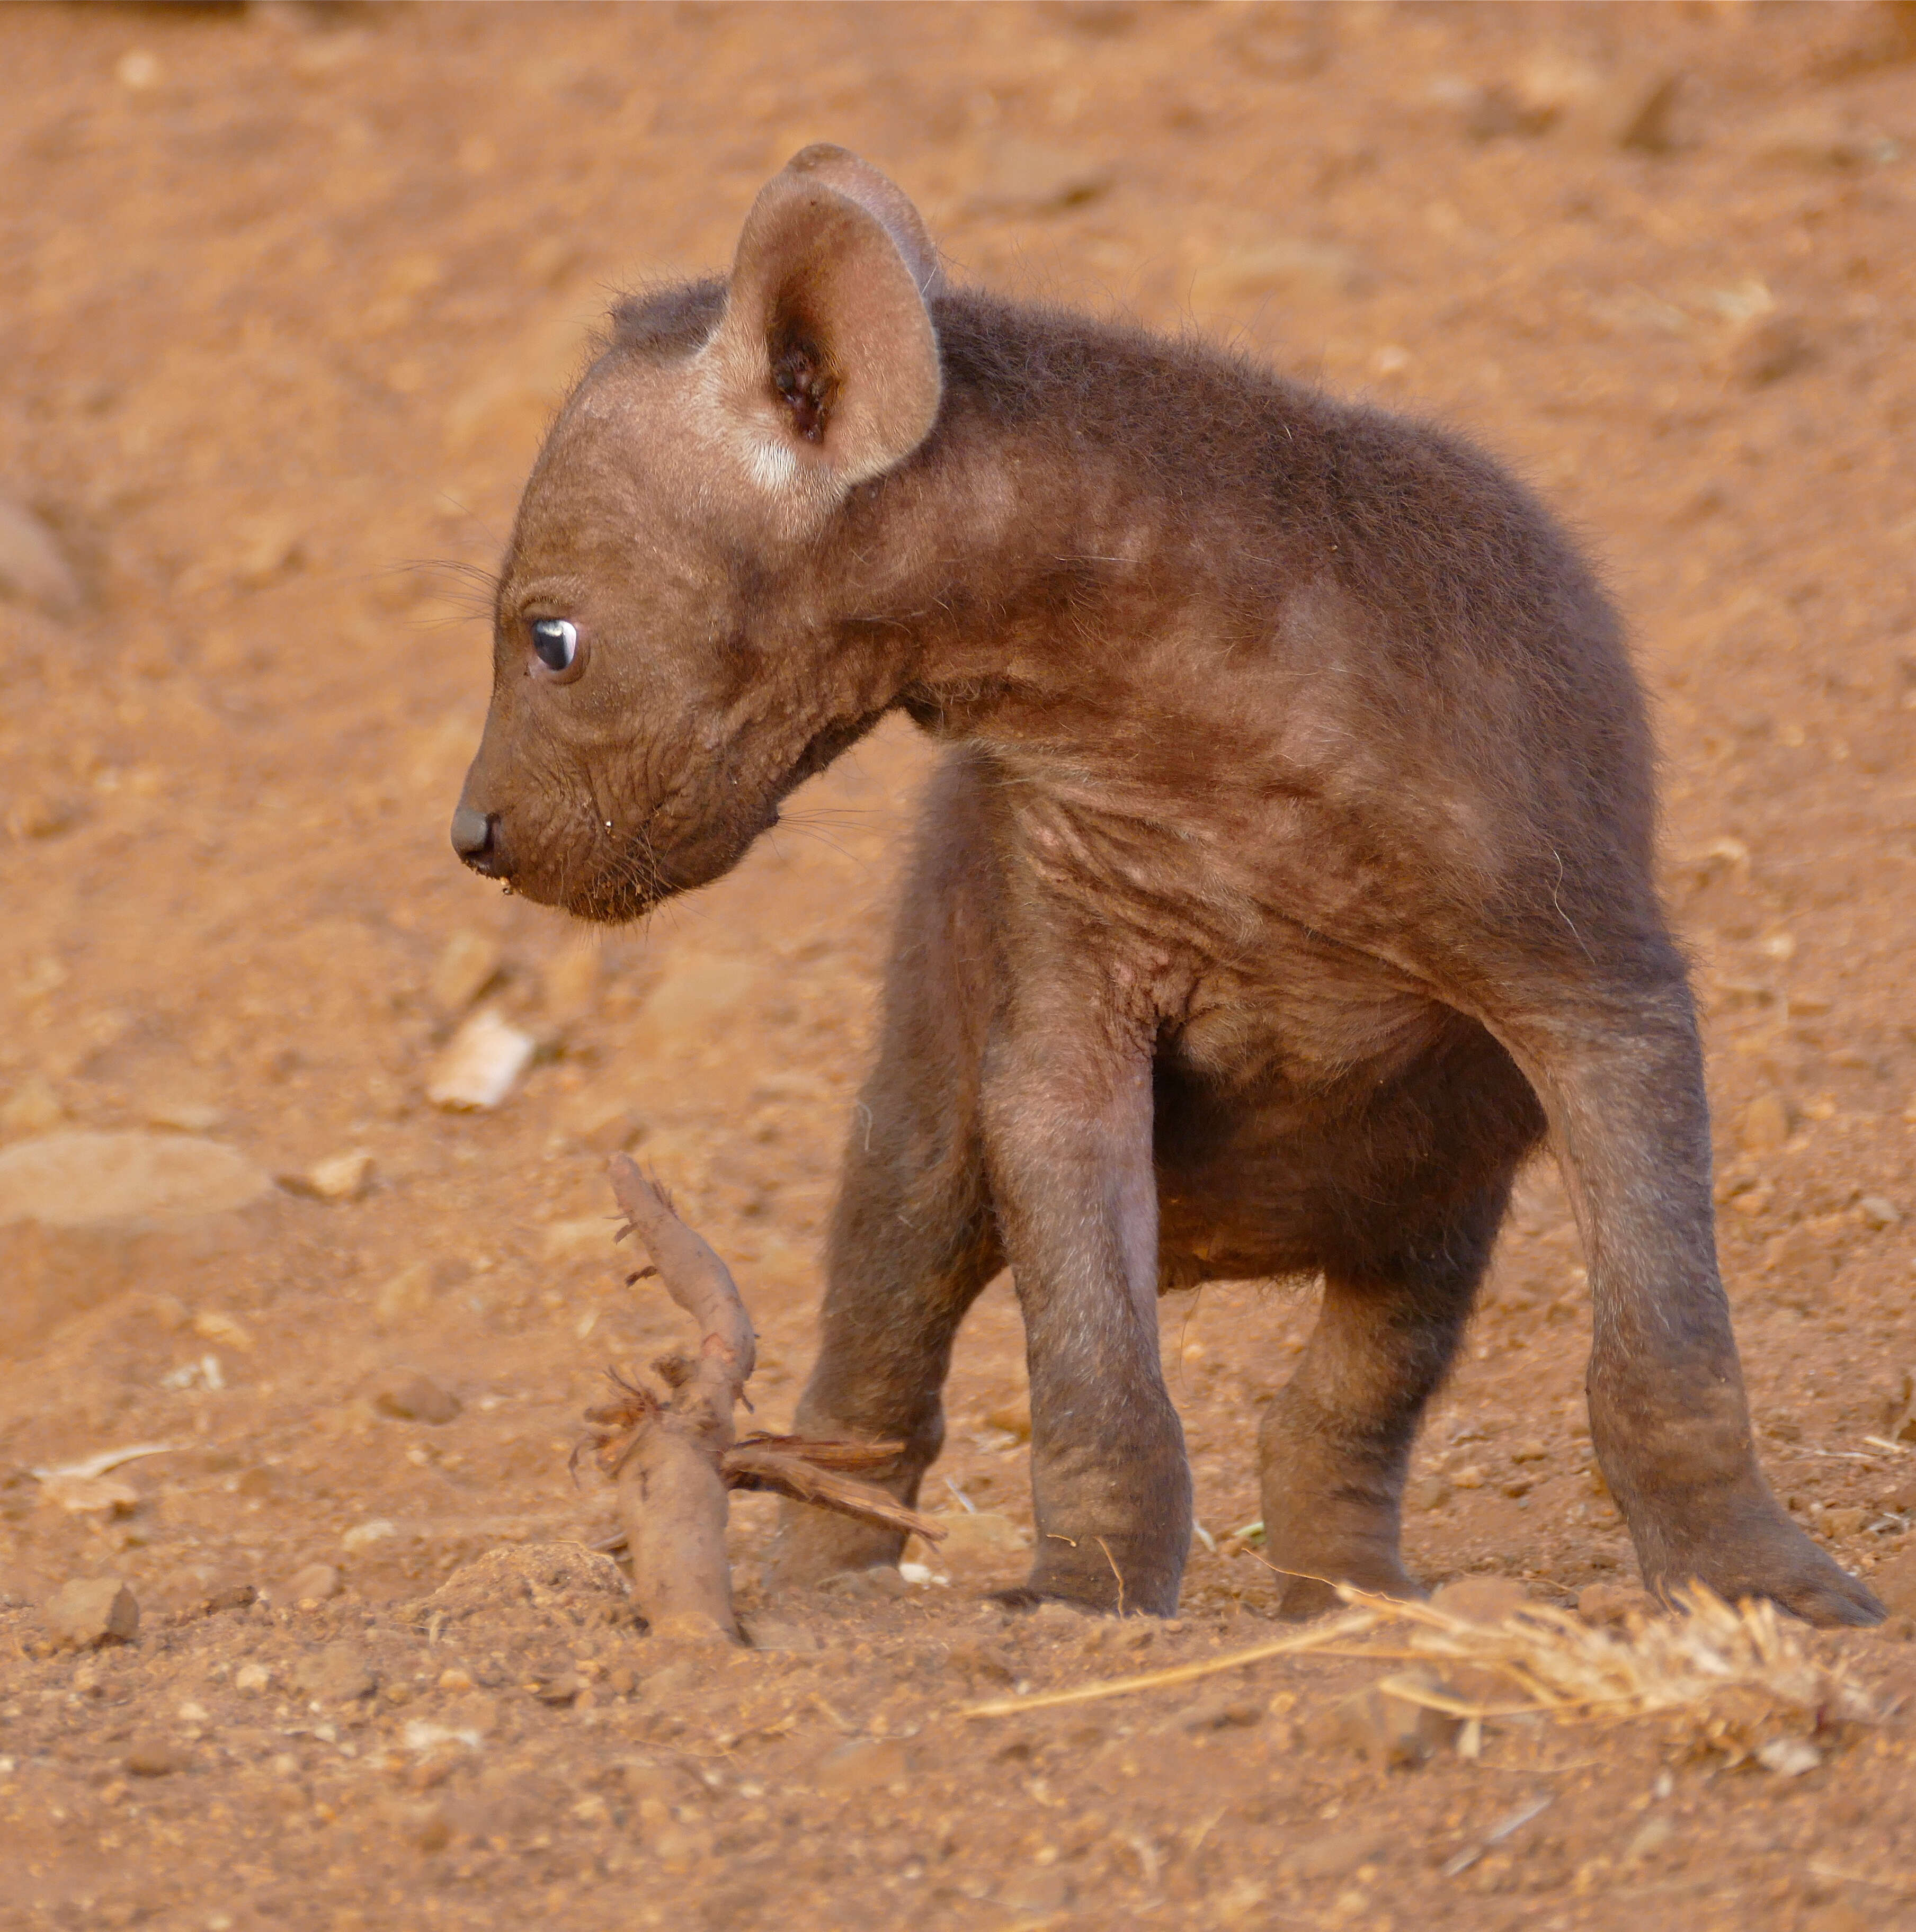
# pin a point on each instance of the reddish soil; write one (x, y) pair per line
(291, 294)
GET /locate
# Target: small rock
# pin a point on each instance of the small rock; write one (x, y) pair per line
(155, 1757)
(249, 1677)
(1877, 1213)
(213, 1325)
(94, 1610)
(1221, 1712)
(1471, 1476)
(362, 1535)
(313, 1585)
(469, 964)
(32, 567)
(1654, 1835)
(408, 1293)
(1845, 1520)
(1813, 136)
(481, 1065)
(862, 1766)
(1488, 1601)
(1042, 1892)
(1334, 1854)
(1427, 1492)
(270, 545)
(1765, 1125)
(1529, 1452)
(560, 1690)
(91, 1495)
(609, 1126)
(1607, 1605)
(1894, 1581)
(1789, 1757)
(344, 1176)
(338, 1675)
(1764, 350)
(408, 1395)
(183, 1114)
(983, 1662)
(1393, 1732)
(82, 1214)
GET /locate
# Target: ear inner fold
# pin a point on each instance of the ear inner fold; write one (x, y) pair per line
(829, 358)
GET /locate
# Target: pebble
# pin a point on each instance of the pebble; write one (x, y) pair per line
(81, 1180)
(1878, 1213)
(1845, 1520)
(338, 1675)
(1335, 1854)
(94, 1610)
(91, 1495)
(1654, 1835)
(1606, 1605)
(469, 964)
(344, 1176)
(481, 1065)
(312, 1584)
(1428, 1492)
(1488, 1601)
(1471, 1477)
(1042, 1893)
(155, 1757)
(408, 1395)
(83, 1215)
(252, 1677)
(32, 567)
(862, 1766)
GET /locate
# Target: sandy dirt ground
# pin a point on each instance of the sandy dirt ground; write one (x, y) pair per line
(289, 294)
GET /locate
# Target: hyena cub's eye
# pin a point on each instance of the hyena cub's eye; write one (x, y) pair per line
(557, 642)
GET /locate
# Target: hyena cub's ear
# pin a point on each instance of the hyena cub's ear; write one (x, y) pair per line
(827, 363)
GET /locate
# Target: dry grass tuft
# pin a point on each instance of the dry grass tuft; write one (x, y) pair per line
(1742, 1678)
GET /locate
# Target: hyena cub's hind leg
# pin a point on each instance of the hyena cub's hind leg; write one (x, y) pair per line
(1336, 1444)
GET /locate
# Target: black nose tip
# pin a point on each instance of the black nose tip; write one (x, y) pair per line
(472, 835)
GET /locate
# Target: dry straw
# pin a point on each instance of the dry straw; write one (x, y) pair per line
(1746, 1662)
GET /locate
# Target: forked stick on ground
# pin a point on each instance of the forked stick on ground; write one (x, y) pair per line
(674, 1457)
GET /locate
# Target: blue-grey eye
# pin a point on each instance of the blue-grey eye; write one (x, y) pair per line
(557, 641)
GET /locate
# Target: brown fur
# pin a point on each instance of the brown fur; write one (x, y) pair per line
(1289, 882)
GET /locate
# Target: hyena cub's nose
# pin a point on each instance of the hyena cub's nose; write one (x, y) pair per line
(475, 838)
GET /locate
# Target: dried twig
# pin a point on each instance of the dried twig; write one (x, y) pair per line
(673, 1457)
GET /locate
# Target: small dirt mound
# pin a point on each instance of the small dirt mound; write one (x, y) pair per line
(565, 1585)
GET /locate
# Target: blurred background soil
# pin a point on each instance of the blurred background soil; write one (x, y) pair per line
(291, 292)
